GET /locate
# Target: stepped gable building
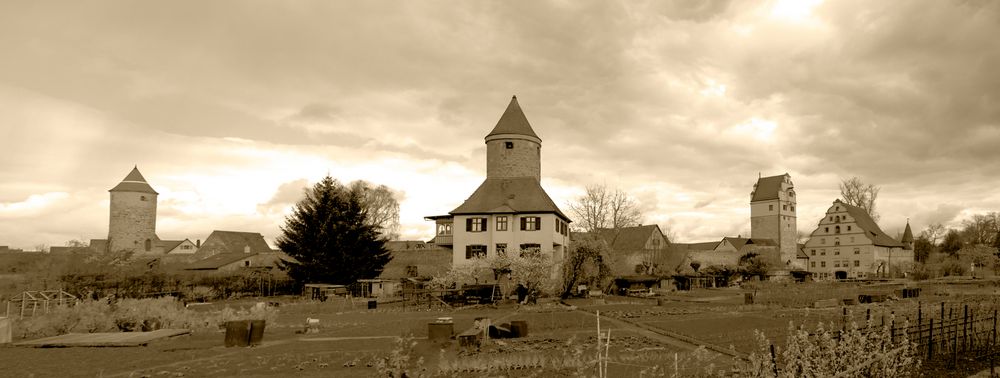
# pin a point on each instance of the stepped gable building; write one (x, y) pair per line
(510, 211)
(849, 244)
(772, 216)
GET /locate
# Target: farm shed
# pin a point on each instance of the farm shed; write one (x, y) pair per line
(375, 288)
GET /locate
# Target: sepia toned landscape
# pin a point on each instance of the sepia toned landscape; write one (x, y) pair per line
(774, 188)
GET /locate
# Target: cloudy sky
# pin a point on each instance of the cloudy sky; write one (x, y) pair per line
(231, 108)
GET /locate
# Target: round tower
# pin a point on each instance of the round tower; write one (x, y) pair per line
(132, 223)
(512, 148)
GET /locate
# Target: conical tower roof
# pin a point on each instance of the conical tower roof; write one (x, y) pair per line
(134, 182)
(513, 121)
(907, 234)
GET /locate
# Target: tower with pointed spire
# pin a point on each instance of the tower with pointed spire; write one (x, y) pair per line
(509, 213)
(907, 238)
(132, 222)
(512, 148)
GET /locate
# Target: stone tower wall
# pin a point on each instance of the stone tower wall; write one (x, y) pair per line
(524, 160)
(776, 220)
(132, 221)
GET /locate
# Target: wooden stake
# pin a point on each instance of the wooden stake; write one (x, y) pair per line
(930, 340)
(600, 372)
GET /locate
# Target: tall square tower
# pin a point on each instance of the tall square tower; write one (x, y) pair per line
(772, 215)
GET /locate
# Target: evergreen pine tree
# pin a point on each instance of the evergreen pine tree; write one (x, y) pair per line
(329, 238)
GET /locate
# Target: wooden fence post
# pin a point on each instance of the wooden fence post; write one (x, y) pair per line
(954, 347)
(774, 362)
(965, 328)
(942, 310)
(930, 340)
(892, 327)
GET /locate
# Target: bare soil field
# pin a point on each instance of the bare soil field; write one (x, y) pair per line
(355, 341)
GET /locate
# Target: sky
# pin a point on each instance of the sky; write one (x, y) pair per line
(231, 108)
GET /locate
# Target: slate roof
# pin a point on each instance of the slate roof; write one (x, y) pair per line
(767, 188)
(513, 121)
(429, 262)
(134, 182)
(872, 230)
(509, 195)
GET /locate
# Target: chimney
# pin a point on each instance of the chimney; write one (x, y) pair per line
(197, 244)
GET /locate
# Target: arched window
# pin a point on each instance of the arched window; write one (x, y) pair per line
(837, 229)
(149, 245)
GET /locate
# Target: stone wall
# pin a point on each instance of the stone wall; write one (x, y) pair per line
(132, 221)
(524, 160)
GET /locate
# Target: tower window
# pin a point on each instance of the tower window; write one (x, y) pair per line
(149, 245)
(509, 145)
(784, 207)
(770, 207)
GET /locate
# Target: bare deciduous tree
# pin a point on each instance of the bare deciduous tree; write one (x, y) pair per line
(380, 206)
(858, 193)
(981, 228)
(601, 207)
(934, 233)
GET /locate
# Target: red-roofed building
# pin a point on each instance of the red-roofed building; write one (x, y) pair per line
(510, 211)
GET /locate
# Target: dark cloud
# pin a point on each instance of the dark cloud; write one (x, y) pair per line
(683, 102)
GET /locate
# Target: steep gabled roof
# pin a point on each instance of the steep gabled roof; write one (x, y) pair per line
(509, 195)
(234, 242)
(737, 243)
(767, 188)
(134, 182)
(872, 230)
(628, 238)
(513, 121)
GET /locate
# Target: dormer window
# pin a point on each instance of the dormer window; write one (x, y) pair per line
(509, 145)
